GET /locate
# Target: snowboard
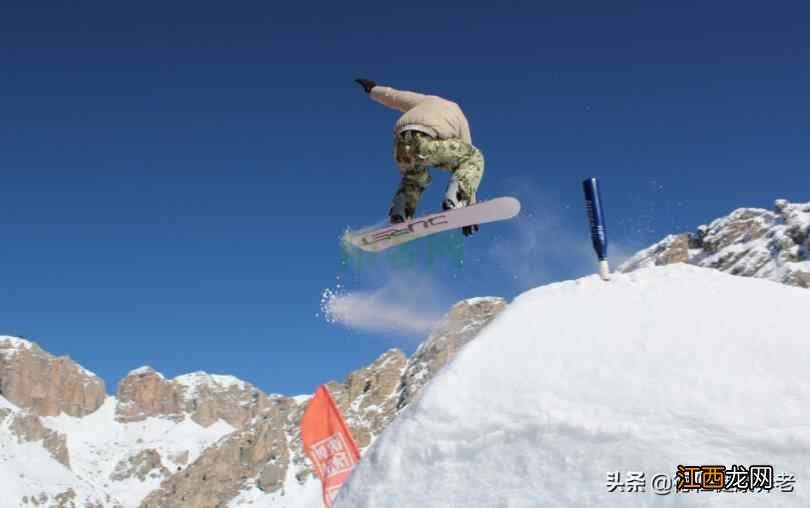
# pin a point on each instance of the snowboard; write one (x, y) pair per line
(380, 239)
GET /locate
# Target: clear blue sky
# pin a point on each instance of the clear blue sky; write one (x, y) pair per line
(175, 175)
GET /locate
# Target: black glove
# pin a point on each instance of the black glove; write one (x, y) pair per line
(367, 84)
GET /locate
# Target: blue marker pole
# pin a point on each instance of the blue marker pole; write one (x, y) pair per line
(596, 217)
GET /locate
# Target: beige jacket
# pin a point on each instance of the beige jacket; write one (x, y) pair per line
(433, 115)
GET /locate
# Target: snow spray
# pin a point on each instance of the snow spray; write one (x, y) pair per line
(596, 217)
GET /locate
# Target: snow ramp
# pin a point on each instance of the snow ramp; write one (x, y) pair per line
(592, 393)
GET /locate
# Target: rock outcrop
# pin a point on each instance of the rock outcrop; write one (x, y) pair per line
(257, 453)
(367, 397)
(461, 325)
(143, 464)
(144, 393)
(205, 398)
(210, 397)
(46, 385)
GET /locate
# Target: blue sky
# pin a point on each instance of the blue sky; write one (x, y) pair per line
(175, 175)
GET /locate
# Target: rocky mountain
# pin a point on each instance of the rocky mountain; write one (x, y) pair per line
(198, 440)
(753, 242)
(203, 398)
(46, 385)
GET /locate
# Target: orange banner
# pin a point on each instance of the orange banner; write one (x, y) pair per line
(328, 443)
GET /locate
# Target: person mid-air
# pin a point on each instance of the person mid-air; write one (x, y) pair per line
(432, 132)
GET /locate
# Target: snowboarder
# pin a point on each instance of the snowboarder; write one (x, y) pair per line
(432, 132)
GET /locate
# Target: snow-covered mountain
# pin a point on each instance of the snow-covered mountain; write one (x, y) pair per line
(752, 242)
(204, 440)
(198, 440)
(64, 445)
(666, 366)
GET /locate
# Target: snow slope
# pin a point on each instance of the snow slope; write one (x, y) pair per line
(101, 446)
(29, 472)
(668, 366)
(101, 451)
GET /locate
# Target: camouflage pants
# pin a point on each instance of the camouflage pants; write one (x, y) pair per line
(415, 153)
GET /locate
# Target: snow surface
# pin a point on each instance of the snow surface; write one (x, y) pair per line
(300, 399)
(143, 370)
(16, 342)
(7, 404)
(28, 469)
(87, 372)
(195, 380)
(481, 299)
(675, 365)
(10, 345)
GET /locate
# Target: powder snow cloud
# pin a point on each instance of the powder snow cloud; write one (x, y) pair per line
(407, 304)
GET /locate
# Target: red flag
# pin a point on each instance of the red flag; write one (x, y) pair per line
(328, 443)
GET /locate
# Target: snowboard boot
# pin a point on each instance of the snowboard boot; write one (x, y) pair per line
(399, 211)
(455, 198)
